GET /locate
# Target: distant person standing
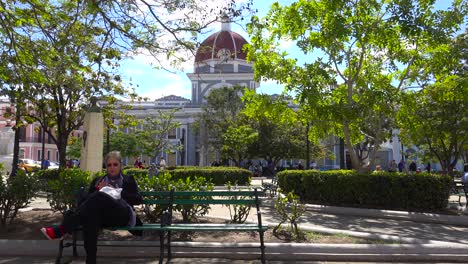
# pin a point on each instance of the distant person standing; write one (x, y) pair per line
(45, 164)
(138, 163)
(162, 163)
(392, 167)
(401, 166)
(428, 167)
(465, 175)
(412, 167)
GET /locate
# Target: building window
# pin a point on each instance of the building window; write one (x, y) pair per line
(21, 153)
(39, 156)
(48, 154)
(172, 134)
(56, 156)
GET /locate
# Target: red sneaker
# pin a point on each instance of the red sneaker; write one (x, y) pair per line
(52, 232)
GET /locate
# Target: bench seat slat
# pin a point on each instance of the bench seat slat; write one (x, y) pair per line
(201, 193)
(216, 227)
(215, 193)
(143, 227)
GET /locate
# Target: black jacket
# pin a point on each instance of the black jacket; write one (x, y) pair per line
(129, 193)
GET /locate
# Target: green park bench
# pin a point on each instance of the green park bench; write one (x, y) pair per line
(459, 189)
(270, 187)
(167, 226)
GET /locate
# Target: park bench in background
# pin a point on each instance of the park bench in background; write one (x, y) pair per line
(460, 189)
(270, 187)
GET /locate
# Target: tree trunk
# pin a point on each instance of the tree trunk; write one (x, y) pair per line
(307, 146)
(43, 148)
(342, 155)
(355, 164)
(14, 166)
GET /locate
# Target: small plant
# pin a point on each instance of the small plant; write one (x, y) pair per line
(290, 210)
(161, 182)
(237, 212)
(64, 190)
(190, 212)
(16, 193)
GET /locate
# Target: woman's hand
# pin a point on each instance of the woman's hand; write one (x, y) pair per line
(100, 185)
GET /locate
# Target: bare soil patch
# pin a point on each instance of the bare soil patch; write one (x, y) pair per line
(27, 225)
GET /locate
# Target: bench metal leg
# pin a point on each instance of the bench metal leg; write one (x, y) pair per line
(59, 255)
(74, 237)
(262, 247)
(169, 251)
(161, 247)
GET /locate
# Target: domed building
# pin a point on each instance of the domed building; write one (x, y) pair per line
(220, 61)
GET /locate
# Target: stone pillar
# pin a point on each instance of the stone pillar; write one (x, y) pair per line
(93, 139)
(7, 136)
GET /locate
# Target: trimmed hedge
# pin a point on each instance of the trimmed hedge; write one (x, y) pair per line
(217, 175)
(371, 190)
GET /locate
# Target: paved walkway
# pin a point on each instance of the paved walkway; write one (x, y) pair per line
(42, 260)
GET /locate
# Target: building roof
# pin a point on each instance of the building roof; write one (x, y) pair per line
(172, 98)
(224, 39)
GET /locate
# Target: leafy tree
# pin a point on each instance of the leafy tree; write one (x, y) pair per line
(281, 133)
(68, 51)
(357, 58)
(219, 113)
(435, 118)
(153, 137)
(237, 140)
(74, 148)
(166, 29)
(126, 143)
(70, 58)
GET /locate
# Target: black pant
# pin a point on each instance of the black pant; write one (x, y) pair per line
(97, 211)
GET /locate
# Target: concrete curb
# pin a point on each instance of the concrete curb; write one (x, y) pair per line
(390, 214)
(365, 235)
(274, 251)
(386, 214)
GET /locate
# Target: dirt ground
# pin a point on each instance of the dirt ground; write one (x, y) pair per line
(27, 225)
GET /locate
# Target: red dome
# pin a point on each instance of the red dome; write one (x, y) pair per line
(221, 40)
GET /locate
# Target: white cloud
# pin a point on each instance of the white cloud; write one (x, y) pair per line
(285, 44)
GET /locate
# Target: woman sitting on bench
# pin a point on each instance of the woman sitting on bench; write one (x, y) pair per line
(108, 203)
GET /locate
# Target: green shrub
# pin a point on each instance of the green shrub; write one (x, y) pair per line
(191, 211)
(162, 182)
(289, 210)
(62, 191)
(219, 176)
(45, 176)
(16, 193)
(238, 212)
(50, 174)
(136, 173)
(372, 190)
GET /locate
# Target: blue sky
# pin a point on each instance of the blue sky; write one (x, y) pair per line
(153, 83)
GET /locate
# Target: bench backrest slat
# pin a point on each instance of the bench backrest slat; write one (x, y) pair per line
(202, 201)
(214, 193)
